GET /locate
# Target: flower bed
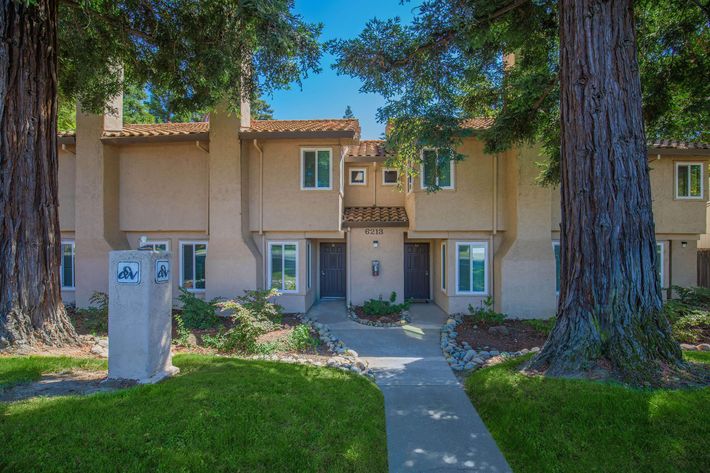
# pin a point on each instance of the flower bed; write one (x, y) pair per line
(356, 314)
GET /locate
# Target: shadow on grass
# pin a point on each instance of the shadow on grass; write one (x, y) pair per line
(220, 414)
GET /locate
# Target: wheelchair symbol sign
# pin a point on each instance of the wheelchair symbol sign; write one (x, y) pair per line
(128, 272)
(162, 271)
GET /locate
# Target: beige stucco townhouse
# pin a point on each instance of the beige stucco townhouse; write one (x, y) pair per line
(308, 208)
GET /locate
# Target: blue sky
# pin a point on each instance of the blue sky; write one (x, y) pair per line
(326, 95)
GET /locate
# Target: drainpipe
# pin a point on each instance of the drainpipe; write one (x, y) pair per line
(495, 227)
(341, 190)
(374, 184)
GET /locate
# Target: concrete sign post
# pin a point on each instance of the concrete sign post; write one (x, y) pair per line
(140, 316)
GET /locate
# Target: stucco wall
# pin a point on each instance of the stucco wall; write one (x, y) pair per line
(286, 206)
(164, 187)
(374, 192)
(684, 263)
(390, 253)
(67, 194)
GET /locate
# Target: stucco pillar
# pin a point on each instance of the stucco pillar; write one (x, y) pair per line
(684, 263)
(525, 285)
(231, 263)
(97, 227)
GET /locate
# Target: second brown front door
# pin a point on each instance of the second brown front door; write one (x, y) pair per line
(416, 271)
(332, 270)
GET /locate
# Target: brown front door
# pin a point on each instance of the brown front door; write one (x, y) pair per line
(332, 270)
(416, 271)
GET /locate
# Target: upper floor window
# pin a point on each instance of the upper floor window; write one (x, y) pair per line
(689, 180)
(435, 171)
(358, 176)
(155, 245)
(193, 259)
(283, 266)
(390, 177)
(316, 168)
(66, 266)
(472, 268)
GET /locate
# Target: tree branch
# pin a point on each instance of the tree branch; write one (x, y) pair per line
(77, 6)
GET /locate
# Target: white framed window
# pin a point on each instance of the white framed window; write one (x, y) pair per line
(443, 267)
(660, 253)
(689, 180)
(309, 263)
(358, 176)
(193, 263)
(316, 169)
(390, 177)
(556, 251)
(410, 183)
(283, 266)
(433, 173)
(472, 268)
(66, 266)
(155, 245)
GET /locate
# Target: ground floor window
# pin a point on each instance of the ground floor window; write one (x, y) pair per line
(283, 266)
(472, 268)
(193, 259)
(155, 245)
(443, 266)
(66, 268)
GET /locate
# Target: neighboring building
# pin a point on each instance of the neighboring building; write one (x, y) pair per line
(306, 207)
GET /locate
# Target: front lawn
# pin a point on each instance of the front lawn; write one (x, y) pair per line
(220, 414)
(19, 369)
(555, 425)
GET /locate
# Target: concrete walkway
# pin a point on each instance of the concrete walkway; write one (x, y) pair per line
(431, 424)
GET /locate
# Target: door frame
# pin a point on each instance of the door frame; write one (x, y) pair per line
(428, 268)
(320, 243)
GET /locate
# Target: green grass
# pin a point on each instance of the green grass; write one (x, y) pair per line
(697, 356)
(220, 414)
(555, 425)
(29, 368)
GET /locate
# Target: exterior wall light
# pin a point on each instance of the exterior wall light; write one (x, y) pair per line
(375, 244)
(684, 244)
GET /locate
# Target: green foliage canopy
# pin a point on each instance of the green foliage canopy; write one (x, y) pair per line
(448, 65)
(192, 54)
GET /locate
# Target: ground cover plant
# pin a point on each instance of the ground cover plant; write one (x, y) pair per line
(382, 310)
(219, 414)
(689, 314)
(561, 425)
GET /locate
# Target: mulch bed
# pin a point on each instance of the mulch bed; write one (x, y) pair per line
(383, 319)
(515, 335)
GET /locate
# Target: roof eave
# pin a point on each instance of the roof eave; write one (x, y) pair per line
(679, 152)
(275, 135)
(374, 224)
(121, 140)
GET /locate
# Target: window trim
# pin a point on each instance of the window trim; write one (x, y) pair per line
(384, 183)
(554, 244)
(298, 272)
(702, 179)
(486, 269)
(73, 266)
(181, 280)
(422, 168)
(155, 242)
(330, 169)
(443, 256)
(350, 176)
(662, 262)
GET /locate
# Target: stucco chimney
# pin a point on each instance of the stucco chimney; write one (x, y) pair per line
(113, 114)
(245, 95)
(245, 112)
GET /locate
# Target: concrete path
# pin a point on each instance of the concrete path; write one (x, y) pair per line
(431, 424)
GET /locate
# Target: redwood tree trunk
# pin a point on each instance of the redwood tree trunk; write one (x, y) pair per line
(610, 305)
(30, 295)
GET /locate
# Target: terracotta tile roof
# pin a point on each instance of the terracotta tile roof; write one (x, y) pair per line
(304, 126)
(480, 123)
(368, 149)
(684, 145)
(375, 216)
(159, 129)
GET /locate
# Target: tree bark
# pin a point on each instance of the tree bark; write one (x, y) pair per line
(610, 305)
(31, 307)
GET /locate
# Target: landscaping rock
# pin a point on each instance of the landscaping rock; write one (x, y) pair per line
(687, 347)
(704, 347)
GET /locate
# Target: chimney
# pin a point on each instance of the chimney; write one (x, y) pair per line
(113, 113)
(245, 95)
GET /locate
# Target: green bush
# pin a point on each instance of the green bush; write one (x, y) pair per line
(260, 302)
(381, 307)
(197, 313)
(94, 319)
(183, 333)
(485, 312)
(542, 325)
(300, 339)
(689, 313)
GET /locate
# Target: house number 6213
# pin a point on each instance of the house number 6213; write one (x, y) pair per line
(374, 231)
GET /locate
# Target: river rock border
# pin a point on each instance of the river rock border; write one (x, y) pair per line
(345, 358)
(698, 347)
(462, 357)
(404, 319)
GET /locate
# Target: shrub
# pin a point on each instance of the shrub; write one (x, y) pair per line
(93, 319)
(485, 312)
(381, 307)
(300, 339)
(260, 302)
(197, 313)
(689, 313)
(183, 334)
(253, 315)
